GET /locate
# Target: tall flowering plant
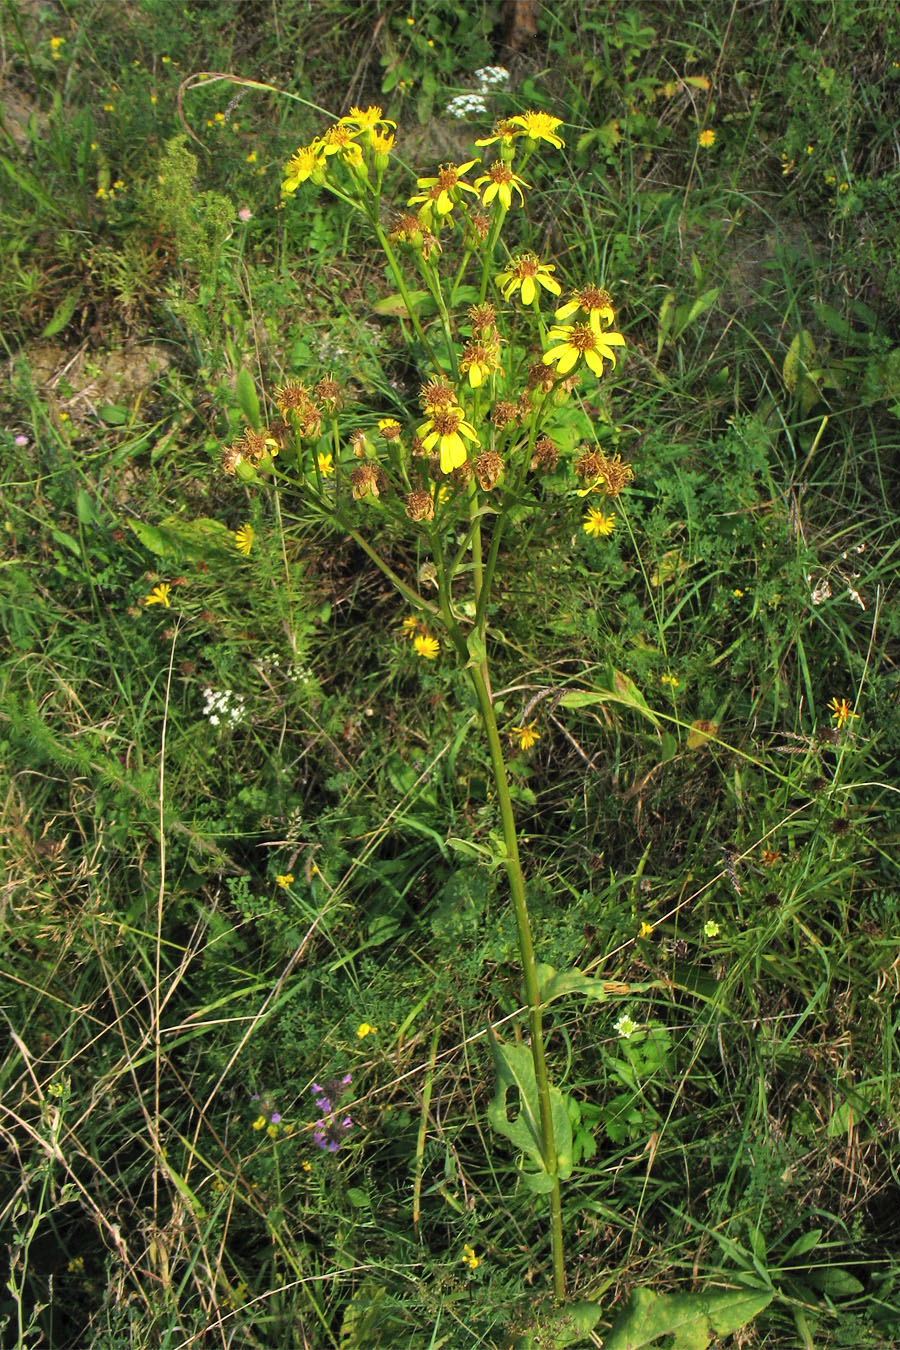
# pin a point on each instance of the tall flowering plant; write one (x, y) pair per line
(502, 349)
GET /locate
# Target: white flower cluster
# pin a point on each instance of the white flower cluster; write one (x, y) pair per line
(475, 104)
(488, 76)
(270, 665)
(223, 706)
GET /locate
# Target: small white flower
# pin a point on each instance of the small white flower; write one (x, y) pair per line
(626, 1026)
(466, 105)
(488, 76)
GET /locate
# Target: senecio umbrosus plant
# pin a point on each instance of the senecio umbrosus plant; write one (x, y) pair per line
(456, 474)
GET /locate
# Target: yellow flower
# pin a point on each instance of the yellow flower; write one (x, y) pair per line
(526, 735)
(841, 711)
(159, 595)
(539, 126)
(300, 166)
(284, 879)
(446, 428)
(410, 626)
(243, 539)
(325, 463)
(440, 190)
(738, 593)
(711, 928)
(503, 131)
(522, 272)
(501, 183)
(479, 360)
(646, 929)
(251, 158)
(307, 1166)
(55, 44)
(469, 1258)
(426, 646)
(365, 1029)
(577, 340)
(368, 120)
(597, 524)
(707, 138)
(592, 301)
(259, 1123)
(669, 679)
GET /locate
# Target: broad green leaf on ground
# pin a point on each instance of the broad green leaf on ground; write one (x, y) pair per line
(693, 1320)
(569, 1325)
(187, 540)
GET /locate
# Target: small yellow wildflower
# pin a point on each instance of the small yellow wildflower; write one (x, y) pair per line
(439, 194)
(841, 711)
(306, 1165)
(410, 626)
(55, 44)
(597, 523)
(300, 167)
(577, 340)
(540, 126)
(251, 158)
(109, 107)
(501, 183)
(284, 879)
(707, 138)
(669, 679)
(325, 464)
(426, 646)
(469, 1258)
(159, 595)
(521, 274)
(243, 539)
(738, 593)
(711, 928)
(365, 1029)
(526, 735)
(259, 1123)
(646, 929)
(592, 301)
(446, 429)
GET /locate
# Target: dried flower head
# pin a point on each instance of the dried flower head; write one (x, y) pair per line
(616, 475)
(364, 480)
(328, 393)
(488, 470)
(479, 226)
(291, 397)
(483, 319)
(436, 396)
(539, 377)
(545, 457)
(462, 473)
(503, 413)
(419, 505)
(589, 466)
(389, 428)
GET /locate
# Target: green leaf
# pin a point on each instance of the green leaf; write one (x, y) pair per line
(801, 1246)
(622, 690)
(834, 1282)
(62, 314)
(556, 983)
(113, 414)
(248, 400)
(702, 304)
(515, 1069)
(84, 507)
(570, 1325)
(394, 306)
(190, 540)
(692, 1319)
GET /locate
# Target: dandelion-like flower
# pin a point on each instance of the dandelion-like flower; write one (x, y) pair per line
(597, 524)
(706, 138)
(503, 131)
(365, 1029)
(159, 595)
(446, 429)
(367, 120)
(426, 646)
(646, 929)
(525, 273)
(574, 341)
(501, 182)
(243, 539)
(325, 463)
(526, 735)
(841, 711)
(442, 191)
(539, 126)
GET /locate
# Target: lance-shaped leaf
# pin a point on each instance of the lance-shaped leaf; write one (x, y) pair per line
(515, 1069)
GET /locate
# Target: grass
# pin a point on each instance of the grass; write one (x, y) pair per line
(201, 918)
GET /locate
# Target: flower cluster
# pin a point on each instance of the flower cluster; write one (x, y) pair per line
(269, 1119)
(223, 706)
(360, 141)
(331, 1127)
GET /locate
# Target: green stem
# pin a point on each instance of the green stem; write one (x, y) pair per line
(529, 970)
